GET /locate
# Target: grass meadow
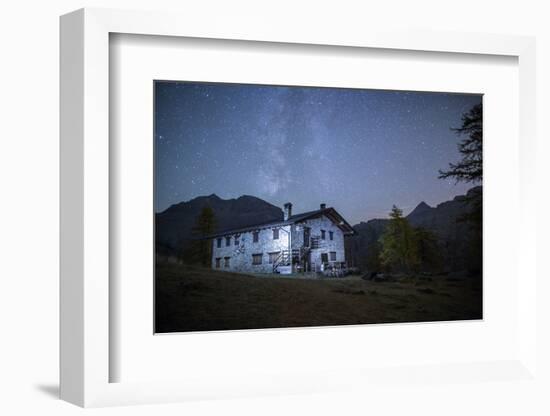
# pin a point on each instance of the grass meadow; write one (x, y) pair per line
(190, 298)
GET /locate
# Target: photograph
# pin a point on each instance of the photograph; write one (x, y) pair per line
(302, 208)
(298, 206)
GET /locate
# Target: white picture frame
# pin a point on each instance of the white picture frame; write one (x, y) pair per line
(85, 212)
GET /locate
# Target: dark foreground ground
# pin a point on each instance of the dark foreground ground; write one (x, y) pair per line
(195, 299)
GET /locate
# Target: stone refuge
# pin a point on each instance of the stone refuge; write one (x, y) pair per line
(308, 242)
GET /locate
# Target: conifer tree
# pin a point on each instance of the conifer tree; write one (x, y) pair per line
(200, 250)
(470, 167)
(428, 249)
(399, 244)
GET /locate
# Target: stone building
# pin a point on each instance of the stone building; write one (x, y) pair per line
(308, 242)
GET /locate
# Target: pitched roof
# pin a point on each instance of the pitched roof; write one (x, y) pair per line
(330, 213)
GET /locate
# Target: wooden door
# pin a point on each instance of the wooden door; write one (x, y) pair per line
(307, 232)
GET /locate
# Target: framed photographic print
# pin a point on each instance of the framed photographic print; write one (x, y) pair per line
(231, 197)
(232, 254)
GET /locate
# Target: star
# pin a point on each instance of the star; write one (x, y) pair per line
(303, 144)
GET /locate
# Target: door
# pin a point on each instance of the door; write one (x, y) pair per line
(307, 232)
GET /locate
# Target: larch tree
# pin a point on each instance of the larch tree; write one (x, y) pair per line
(470, 167)
(399, 248)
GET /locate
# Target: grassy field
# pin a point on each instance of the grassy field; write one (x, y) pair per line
(195, 299)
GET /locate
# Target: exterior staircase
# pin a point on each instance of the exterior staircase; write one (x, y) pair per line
(283, 259)
(286, 259)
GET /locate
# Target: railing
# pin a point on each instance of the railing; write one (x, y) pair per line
(286, 259)
(283, 259)
(297, 255)
(334, 269)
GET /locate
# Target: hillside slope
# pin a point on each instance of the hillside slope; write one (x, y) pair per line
(195, 299)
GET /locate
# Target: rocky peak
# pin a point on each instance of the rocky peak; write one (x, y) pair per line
(420, 209)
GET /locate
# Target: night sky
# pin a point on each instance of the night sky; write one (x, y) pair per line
(360, 151)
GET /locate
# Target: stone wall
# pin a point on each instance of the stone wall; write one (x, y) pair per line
(326, 246)
(241, 254)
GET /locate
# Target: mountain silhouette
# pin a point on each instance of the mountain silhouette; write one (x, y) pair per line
(174, 225)
(445, 221)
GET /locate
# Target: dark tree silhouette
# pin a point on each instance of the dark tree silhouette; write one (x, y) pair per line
(428, 249)
(470, 168)
(200, 250)
(372, 260)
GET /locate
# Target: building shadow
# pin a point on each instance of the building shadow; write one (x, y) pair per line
(51, 390)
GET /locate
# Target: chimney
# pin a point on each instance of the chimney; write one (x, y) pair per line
(288, 210)
(323, 206)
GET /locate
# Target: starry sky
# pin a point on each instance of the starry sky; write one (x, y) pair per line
(360, 151)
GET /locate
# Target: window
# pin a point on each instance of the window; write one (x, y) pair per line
(255, 236)
(237, 240)
(275, 233)
(322, 234)
(333, 256)
(218, 261)
(331, 235)
(324, 258)
(257, 259)
(273, 256)
(219, 242)
(226, 261)
(227, 241)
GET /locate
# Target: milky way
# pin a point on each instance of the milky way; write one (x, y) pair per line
(360, 151)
